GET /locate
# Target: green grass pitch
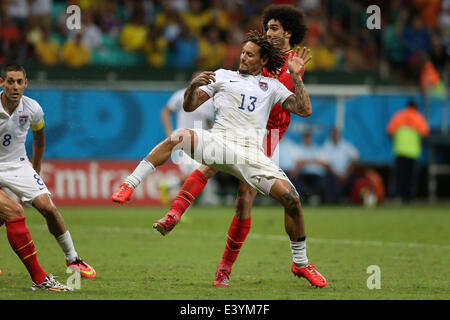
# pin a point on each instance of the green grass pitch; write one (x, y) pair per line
(410, 245)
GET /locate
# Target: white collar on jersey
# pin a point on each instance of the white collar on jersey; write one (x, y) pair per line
(246, 75)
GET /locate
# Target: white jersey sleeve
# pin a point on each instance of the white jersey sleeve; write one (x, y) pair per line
(37, 118)
(175, 102)
(282, 93)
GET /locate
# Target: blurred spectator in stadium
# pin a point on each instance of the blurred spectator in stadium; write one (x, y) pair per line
(41, 10)
(393, 45)
(430, 80)
(110, 22)
(354, 60)
(9, 39)
(92, 34)
(156, 48)
(183, 51)
(218, 14)
(134, 33)
(309, 6)
(428, 11)
(407, 127)
(165, 15)
(18, 11)
(290, 151)
(33, 31)
(47, 50)
(212, 48)
(325, 57)
(438, 55)
(417, 41)
(196, 17)
(368, 48)
(342, 159)
(74, 53)
(310, 171)
(444, 18)
(234, 39)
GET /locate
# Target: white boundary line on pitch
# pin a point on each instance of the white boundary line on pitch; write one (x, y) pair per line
(261, 236)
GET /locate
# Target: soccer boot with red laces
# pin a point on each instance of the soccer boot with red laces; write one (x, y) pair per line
(86, 271)
(222, 277)
(310, 273)
(122, 194)
(50, 284)
(166, 224)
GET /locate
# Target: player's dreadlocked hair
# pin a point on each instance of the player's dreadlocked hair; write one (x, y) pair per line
(268, 49)
(291, 19)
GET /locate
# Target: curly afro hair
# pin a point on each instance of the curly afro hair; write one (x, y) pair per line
(291, 19)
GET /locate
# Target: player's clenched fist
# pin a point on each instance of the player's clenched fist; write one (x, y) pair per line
(203, 79)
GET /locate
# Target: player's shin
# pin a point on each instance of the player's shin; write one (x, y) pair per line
(66, 244)
(139, 174)
(20, 240)
(237, 233)
(298, 249)
(190, 190)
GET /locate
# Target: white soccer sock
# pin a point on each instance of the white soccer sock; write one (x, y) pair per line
(65, 241)
(298, 249)
(140, 173)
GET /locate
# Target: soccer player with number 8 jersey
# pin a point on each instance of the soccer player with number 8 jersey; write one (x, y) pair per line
(18, 114)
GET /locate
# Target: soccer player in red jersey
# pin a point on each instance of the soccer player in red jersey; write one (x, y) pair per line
(283, 23)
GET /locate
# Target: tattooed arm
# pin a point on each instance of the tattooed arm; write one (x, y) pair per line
(195, 97)
(299, 103)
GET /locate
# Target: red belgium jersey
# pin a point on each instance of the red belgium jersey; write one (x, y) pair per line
(279, 118)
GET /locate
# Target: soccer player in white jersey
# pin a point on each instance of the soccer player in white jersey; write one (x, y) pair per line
(19, 113)
(243, 100)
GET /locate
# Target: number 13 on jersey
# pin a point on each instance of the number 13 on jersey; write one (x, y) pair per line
(251, 107)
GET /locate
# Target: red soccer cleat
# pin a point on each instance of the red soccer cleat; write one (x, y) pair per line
(166, 224)
(310, 273)
(222, 278)
(122, 194)
(86, 271)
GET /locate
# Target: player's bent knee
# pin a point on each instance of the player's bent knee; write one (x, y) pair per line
(207, 171)
(182, 139)
(11, 211)
(287, 195)
(245, 194)
(16, 211)
(45, 206)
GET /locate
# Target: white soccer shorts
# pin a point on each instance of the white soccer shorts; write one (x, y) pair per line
(21, 179)
(229, 155)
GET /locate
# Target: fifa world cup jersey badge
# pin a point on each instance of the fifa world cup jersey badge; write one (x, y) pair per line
(23, 120)
(263, 85)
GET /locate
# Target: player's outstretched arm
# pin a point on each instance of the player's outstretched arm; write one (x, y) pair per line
(193, 96)
(299, 103)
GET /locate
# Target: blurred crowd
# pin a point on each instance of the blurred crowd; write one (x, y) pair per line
(207, 34)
